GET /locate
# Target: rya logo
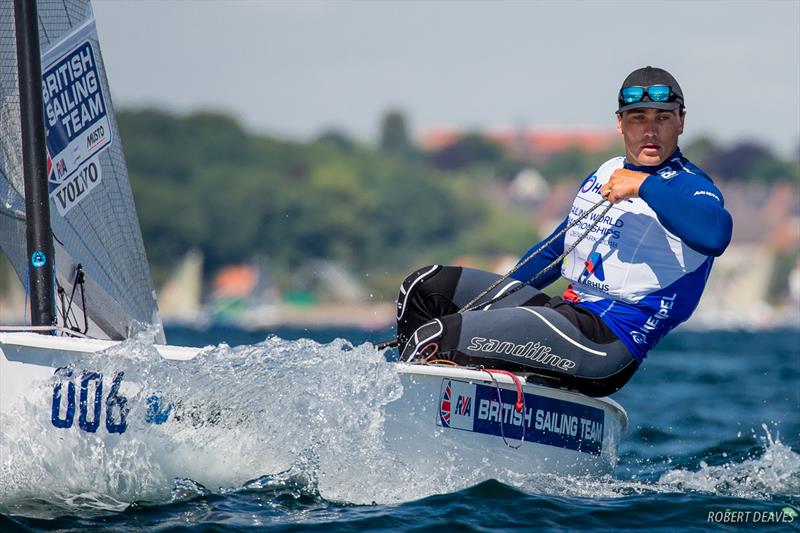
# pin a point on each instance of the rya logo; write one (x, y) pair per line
(464, 405)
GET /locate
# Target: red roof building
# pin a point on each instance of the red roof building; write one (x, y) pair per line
(533, 142)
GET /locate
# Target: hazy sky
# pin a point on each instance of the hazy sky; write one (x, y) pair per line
(294, 68)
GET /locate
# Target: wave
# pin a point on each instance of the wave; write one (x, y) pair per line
(297, 421)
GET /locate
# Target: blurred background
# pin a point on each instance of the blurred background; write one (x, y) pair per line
(292, 161)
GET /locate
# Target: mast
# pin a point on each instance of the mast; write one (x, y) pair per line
(34, 164)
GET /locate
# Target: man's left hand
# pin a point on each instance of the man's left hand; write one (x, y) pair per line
(622, 185)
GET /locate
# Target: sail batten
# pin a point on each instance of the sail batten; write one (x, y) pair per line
(92, 211)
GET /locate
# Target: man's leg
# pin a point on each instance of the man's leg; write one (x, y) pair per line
(526, 331)
(435, 291)
(538, 340)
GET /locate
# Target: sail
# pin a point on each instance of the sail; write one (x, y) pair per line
(93, 216)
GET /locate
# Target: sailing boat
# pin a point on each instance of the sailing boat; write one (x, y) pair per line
(101, 292)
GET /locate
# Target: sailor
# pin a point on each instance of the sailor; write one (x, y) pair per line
(637, 273)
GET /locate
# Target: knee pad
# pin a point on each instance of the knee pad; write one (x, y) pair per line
(437, 338)
(410, 284)
(423, 342)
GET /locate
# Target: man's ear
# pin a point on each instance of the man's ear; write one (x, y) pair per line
(619, 123)
(682, 118)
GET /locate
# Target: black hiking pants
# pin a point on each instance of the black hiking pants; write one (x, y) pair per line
(526, 331)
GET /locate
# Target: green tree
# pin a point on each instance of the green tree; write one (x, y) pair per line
(699, 150)
(394, 133)
(468, 150)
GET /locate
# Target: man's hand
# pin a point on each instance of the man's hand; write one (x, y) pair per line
(622, 185)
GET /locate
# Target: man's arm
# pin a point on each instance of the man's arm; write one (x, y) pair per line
(693, 213)
(693, 210)
(544, 258)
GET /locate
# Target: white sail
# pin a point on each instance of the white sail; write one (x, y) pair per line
(92, 211)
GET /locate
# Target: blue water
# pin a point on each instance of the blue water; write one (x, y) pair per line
(715, 431)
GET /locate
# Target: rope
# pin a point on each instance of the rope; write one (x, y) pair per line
(471, 305)
(441, 361)
(520, 405)
(69, 317)
(432, 347)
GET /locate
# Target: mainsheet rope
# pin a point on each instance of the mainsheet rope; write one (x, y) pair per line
(472, 304)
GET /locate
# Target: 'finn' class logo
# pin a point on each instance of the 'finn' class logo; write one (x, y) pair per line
(594, 265)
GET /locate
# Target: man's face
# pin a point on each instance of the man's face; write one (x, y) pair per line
(651, 135)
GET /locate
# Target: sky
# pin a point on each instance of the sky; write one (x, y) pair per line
(294, 69)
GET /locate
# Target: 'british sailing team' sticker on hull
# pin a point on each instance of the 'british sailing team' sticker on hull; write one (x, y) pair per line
(474, 407)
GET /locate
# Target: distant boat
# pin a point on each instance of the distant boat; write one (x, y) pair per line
(179, 298)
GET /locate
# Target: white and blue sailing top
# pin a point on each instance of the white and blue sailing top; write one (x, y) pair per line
(644, 266)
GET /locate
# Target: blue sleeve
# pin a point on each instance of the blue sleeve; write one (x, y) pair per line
(691, 207)
(544, 258)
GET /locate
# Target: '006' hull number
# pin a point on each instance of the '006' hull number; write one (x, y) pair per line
(90, 404)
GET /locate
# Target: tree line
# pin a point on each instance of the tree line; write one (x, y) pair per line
(202, 181)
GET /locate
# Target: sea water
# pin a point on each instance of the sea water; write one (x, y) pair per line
(284, 432)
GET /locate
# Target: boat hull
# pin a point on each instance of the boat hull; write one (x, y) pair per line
(453, 415)
(461, 420)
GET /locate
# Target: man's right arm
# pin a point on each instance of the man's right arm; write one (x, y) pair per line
(691, 208)
(549, 254)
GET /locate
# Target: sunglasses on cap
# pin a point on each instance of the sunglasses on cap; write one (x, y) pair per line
(656, 93)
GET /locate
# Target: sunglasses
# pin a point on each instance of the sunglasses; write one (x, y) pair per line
(656, 93)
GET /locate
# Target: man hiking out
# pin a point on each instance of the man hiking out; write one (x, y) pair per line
(638, 244)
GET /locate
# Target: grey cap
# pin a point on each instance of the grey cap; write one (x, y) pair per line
(645, 77)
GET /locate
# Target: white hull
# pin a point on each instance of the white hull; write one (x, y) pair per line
(446, 416)
(452, 415)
